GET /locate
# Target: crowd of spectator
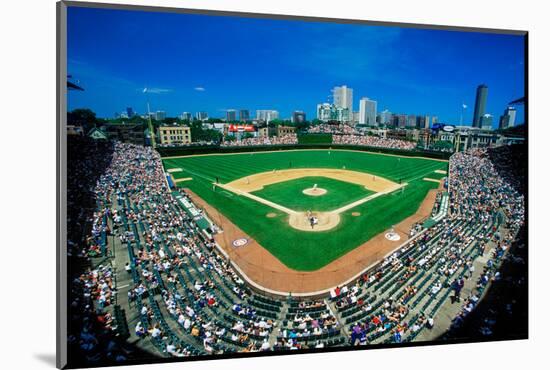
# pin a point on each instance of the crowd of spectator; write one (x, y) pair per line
(92, 328)
(478, 190)
(135, 192)
(373, 141)
(285, 139)
(510, 163)
(87, 161)
(176, 264)
(486, 211)
(336, 129)
(199, 143)
(486, 181)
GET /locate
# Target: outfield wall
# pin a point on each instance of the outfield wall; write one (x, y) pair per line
(216, 149)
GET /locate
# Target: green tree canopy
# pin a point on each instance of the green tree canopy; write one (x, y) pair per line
(82, 117)
(443, 145)
(198, 133)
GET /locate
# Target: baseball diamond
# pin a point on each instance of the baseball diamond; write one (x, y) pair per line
(279, 199)
(240, 242)
(383, 189)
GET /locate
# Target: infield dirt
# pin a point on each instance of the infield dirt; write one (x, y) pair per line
(258, 181)
(264, 271)
(299, 220)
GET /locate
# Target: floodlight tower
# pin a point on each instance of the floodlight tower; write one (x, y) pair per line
(151, 131)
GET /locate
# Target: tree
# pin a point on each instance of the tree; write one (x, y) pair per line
(169, 120)
(82, 117)
(198, 133)
(214, 120)
(184, 122)
(443, 145)
(275, 123)
(301, 125)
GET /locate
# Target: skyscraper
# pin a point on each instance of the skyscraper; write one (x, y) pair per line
(244, 115)
(385, 117)
(343, 97)
(202, 116)
(298, 116)
(266, 115)
(421, 122)
(231, 115)
(411, 120)
(330, 112)
(323, 112)
(481, 102)
(160, 115)
(486, 122)
(426, 122)
(186, 116)
(367, 112)
(130, 112)
(508, 119)
(399, 120)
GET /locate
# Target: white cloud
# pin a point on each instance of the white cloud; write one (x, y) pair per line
(200, 88)
(156, 90)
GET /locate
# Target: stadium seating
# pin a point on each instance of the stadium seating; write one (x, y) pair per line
(189, 301)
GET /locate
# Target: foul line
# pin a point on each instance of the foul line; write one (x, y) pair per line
(292, 212)
(369, 198)
(257, 199)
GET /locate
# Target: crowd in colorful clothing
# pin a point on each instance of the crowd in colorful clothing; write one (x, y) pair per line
(285, 139)
(373, 141)
(190, 300)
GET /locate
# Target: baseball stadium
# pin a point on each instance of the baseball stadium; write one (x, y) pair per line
(259, 249)
(300, 214)
(222, 202)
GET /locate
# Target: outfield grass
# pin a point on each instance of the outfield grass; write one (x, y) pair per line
(290, 195)
(302, 250)
(234, 166)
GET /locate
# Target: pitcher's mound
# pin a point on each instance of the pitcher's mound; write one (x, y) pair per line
(315, 192)
(324, 221)
(271, 215)
(355, 214)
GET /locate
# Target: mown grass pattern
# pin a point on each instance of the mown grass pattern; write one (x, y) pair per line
(299, 250)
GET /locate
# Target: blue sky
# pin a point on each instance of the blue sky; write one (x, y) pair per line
(213, 63)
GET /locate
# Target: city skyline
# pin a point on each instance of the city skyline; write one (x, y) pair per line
(289, 65)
